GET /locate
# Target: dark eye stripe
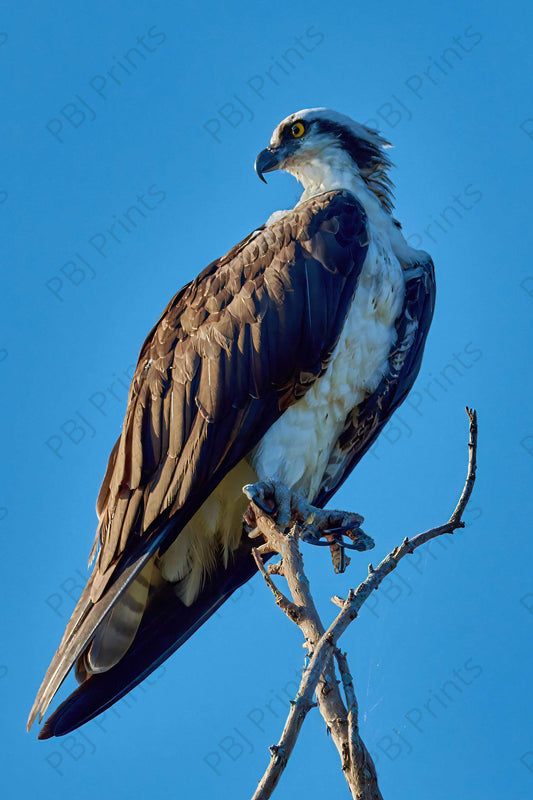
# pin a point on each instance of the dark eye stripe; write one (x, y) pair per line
(364, 153)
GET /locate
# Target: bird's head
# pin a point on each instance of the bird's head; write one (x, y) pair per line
(326, 150)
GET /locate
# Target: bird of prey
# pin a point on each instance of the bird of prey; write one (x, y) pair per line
(281, 361)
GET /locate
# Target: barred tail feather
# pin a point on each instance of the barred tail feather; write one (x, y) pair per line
(166, 624)
(117, 631)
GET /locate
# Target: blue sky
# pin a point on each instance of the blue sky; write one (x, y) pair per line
(90, 129)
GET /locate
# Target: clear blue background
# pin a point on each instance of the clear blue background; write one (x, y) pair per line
(440, 655)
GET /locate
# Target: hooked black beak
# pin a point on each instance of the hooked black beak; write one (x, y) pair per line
(268, 160)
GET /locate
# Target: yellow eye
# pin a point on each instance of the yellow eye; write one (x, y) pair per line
(298, 129)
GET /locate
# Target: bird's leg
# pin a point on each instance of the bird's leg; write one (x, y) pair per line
(274, 499)
(333, 526)
(285, 507)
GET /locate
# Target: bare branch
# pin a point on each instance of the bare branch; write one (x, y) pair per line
(319, 674)
(275, 569)
(283, 602)
(351, 702)
(472, 467)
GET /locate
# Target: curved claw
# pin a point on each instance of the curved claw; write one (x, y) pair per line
(274, 499)
(338, 529)
(262, 494)
(363, 542)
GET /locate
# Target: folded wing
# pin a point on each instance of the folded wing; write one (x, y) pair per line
(232, 350)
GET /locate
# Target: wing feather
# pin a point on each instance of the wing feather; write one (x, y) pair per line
(232, 350)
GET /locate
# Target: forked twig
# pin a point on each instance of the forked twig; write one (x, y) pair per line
(319, 673)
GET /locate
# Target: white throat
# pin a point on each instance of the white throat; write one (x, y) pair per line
(325, 171)
(331, 169)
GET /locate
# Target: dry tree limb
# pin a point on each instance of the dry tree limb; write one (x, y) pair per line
(319, 677)
(295, 517)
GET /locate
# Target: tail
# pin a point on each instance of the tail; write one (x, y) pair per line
(116, 633)
(84, 623)
(166, 624)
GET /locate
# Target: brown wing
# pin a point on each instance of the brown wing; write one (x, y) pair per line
(231, 352)
(366, 422)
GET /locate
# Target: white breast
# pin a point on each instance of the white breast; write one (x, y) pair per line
(296, 449)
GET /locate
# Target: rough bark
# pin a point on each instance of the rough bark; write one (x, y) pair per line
(283, 519)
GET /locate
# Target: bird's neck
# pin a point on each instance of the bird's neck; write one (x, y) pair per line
(334, 169)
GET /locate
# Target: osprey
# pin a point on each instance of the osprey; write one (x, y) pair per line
(282, 361)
